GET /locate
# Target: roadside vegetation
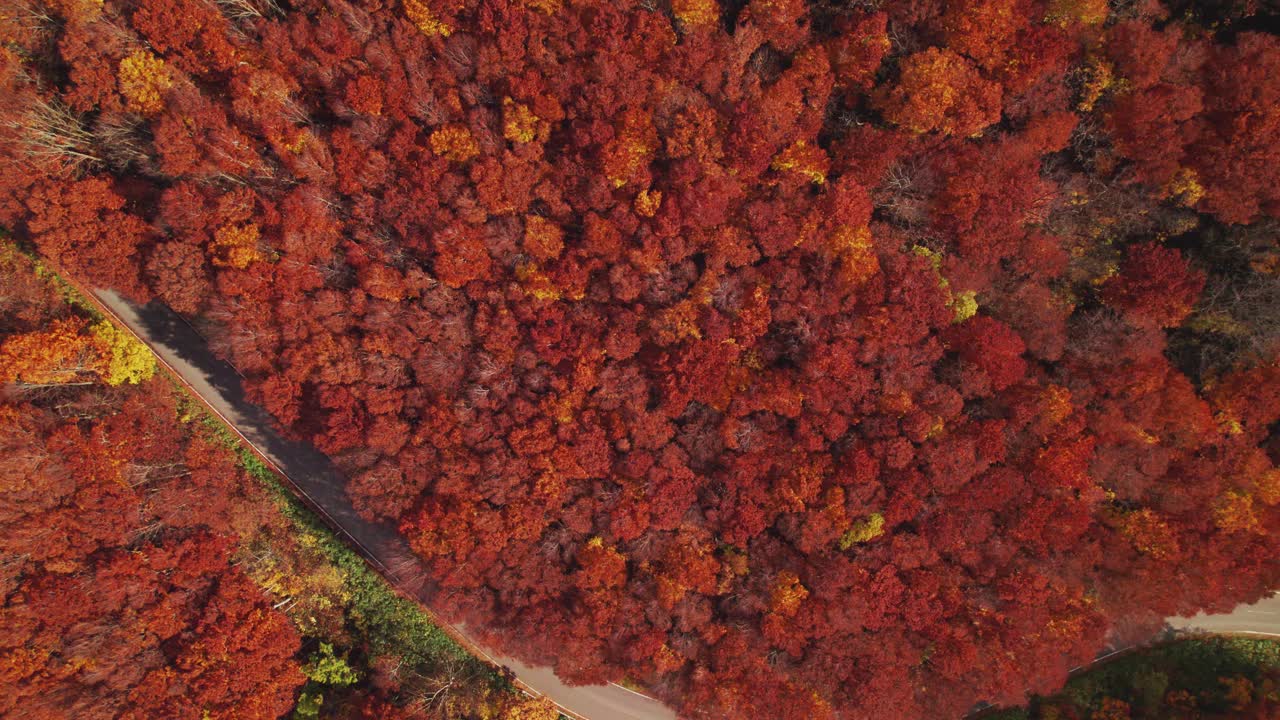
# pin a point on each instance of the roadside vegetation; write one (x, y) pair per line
(791, 359)
(1202, 678)
(152, 566)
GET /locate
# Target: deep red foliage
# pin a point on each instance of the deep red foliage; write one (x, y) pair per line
(1155, 285)
(120, 600)
(81, 225)
(118, 525)
(792, 359)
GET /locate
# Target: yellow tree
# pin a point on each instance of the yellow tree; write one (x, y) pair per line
(128, 360)
(143, 80)
(70, 351)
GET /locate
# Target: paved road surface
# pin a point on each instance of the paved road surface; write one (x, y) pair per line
(321, 485)
(1261, 618)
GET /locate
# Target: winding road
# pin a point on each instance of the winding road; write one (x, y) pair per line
(321, 486)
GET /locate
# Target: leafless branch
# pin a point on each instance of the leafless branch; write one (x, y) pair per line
(50, 131)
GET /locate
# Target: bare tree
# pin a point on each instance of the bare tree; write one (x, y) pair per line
(246, 10)
(120, 141)
(52, 132)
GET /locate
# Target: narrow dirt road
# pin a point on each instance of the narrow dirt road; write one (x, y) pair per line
(321, 486)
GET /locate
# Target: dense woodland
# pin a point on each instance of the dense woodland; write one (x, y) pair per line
(1224, 678)
(791, 358)
(144, 574)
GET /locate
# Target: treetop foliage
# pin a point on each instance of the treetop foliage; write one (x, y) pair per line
(796, 359)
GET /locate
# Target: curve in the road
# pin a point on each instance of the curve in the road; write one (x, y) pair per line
(320, 485)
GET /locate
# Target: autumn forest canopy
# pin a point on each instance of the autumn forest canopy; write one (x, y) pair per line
(789, 358)
(147, 572)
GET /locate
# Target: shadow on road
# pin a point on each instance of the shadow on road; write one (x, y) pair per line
(314, 475)
(319, 483)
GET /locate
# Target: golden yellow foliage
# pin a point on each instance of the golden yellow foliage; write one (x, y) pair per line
(77, 12)
(128, 360)
(420, 14)
(543, 239)
(1268, 487)
(696, 13)
(455, 143)
(143, 78)
(895, 402)
(805, 159)
(933, 256)
(296, 144)
(536, 282)
(1149, 533)
(787, 594)
(864, 530)
(853, 247)
(801, 486)
(18, 664)
(1085, 12)
(647, 202)
(941, 90)
(519, 124)
(678, 322)
(965, 305)
(1234, 512)
(236, 246)
(936, 428)
(665, 660)
(1098, 77)
(1228, 422)
(632, 148)
(1055, 404)
(546, 7)
(1185, 187)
